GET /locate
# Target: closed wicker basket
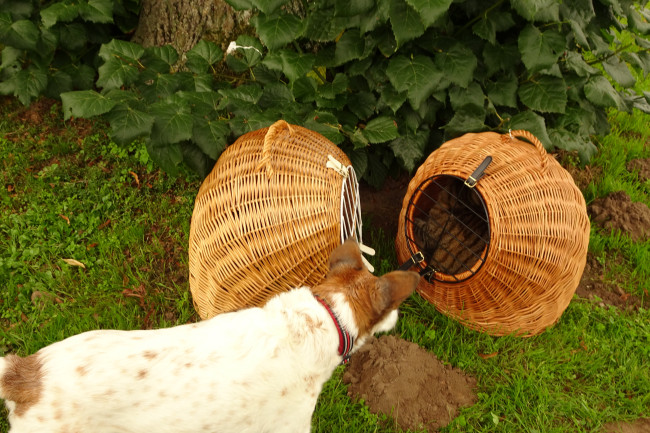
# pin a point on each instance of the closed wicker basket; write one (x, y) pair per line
(499, 231)
(276, 204)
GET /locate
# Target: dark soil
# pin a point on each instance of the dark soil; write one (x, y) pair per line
(593, 286)
(399, 378)
(382, 206)
(641, 167)
(618, 212)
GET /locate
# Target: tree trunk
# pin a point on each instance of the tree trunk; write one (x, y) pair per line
(183, 23)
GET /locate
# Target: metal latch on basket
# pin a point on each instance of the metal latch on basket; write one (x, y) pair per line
(473, 179)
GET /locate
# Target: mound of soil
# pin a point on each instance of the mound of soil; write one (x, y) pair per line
(642, 166)
(400, 379)
(618, 212)
(639, 426)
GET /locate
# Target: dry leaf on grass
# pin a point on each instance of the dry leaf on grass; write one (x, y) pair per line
(73, 262)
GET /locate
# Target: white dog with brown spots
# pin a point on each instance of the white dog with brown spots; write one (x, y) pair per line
(253, 370)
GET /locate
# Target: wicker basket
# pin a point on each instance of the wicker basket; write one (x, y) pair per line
(505, 251)
(265, 220)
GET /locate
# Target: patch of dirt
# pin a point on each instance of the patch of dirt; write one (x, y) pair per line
(642, 166)
(638, 426)
(593, 284)
(400, 379)
(581, 176)
(618, 212)
(382, 206)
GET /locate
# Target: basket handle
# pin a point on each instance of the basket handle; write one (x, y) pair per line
(269, 139)
(532, 139)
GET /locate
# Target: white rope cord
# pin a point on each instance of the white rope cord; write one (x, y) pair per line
(351, 224)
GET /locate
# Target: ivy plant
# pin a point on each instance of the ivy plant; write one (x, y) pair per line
(386, 80)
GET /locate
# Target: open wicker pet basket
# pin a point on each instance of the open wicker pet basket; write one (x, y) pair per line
(499, 231)
(276, 204)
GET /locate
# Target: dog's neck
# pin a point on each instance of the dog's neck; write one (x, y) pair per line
(346, 340)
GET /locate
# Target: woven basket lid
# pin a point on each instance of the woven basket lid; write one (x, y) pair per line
(538, 230)
(265, 220)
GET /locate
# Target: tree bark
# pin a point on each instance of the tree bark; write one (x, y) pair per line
(183, 23)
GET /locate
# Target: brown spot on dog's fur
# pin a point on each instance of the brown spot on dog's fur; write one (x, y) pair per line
(149, 354)
(81, 370)
(188, 364)
(284, 392)
(21, 382)
(142, 374)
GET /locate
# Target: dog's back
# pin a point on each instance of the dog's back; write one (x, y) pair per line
(254, 370)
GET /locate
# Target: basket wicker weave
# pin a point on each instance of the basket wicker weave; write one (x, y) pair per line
(524, 275)
(267, 217)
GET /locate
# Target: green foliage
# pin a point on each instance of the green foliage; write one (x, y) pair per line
(387, 80)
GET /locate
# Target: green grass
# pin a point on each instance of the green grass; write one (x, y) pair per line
(593, 367)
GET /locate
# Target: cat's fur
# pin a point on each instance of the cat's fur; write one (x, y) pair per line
(254, 370)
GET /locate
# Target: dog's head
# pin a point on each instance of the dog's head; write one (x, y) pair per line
(363, 302)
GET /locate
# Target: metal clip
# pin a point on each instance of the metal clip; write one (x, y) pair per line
(412, 261)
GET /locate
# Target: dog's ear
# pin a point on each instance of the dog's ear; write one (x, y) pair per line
(393, 288)
(346, 255)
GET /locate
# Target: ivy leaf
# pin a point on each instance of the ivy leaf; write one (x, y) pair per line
(359, 160)
(120, 49)
(250, 93)
(211, 136)
(377, 171)
(619, 71)
(128, 124)
(573, 142)
(172, 123)
(576, 63)
(363, 105)
(457, 63)
(349, 47)
(166, 53)
(114, 74)
(501, 57)
(85, 103)
(97, 11)
(167, 156)
(537, 10)
(503, 91)
(73, 36)
(323, 26)
(469, 118)
(358, 140)
(540, 50)
(326, 124)
(26, 84)
(533, 122)
(418, 76)
(600, 92)
(409, 148)
(405, 21)
(381, 129)
(59, 13)
(472, 95)
(22, 34)
(292, 64)
(277, 31)
(639, 22)
(430, 10)
(240, 5)
(546, 94)
(268, 6)
(392, 98)
(350, 8)
(203, 55)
